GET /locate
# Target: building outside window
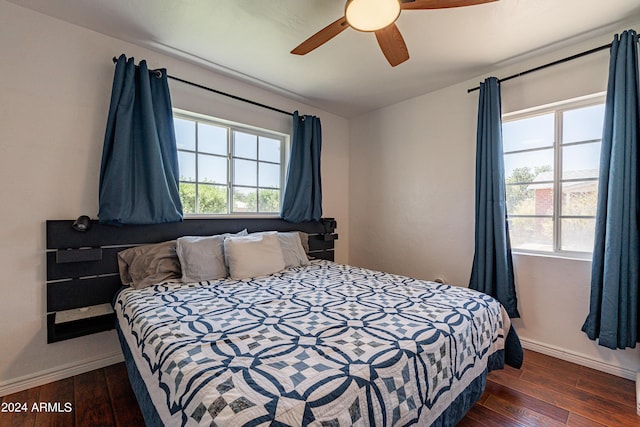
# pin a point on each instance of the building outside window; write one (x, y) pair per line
(229, 168)
(552, 157)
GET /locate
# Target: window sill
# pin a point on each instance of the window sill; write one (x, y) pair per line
(235, 216)
(560, 256)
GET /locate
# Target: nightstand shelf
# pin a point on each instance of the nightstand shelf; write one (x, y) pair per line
(78, 322)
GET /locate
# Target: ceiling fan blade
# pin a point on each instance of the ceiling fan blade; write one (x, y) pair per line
(321, 37)
(392, 45)
(439, 4)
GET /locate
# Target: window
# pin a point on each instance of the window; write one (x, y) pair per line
(229, 168)
(551, 159)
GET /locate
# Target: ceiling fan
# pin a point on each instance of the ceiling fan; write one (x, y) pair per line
(379, 17)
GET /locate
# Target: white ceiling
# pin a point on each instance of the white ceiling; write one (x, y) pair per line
(251, 39)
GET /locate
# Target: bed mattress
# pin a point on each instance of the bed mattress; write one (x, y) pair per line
(327, 345)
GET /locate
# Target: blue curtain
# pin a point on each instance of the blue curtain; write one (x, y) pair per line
(303, 193)
(139, 171)
(492, 271)
(613, 315)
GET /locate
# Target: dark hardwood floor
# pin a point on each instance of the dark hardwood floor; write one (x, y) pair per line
(545, 392)
(553, 392)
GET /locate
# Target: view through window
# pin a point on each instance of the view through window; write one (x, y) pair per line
(551, 159)
(228, 168)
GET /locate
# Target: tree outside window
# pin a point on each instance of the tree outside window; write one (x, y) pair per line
(551, 174)
(228, 168)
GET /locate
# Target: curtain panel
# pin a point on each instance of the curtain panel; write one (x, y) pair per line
(492, 271)
(139, 175)
(303, 192)
(613, 312)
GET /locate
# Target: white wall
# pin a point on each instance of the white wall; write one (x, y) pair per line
(55, 88)
(411, 176)
(402, 193)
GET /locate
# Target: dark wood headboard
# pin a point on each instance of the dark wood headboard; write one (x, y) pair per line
(82, 267)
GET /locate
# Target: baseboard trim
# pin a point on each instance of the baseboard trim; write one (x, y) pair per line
(578, 359)
(58, 373)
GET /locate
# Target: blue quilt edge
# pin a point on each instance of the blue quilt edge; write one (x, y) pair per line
(148, 409)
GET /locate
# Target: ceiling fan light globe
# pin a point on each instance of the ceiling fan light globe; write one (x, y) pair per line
(371, 15)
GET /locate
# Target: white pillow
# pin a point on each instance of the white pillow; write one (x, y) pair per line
(254, 255)
(292, 249)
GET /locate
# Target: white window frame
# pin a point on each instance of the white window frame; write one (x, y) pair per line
(235, 126)
(558, 109)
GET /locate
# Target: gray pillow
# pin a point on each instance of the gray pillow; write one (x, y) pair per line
(201, 258)
(292, 249)
(304, 238)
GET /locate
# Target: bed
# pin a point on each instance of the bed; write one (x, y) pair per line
(319, 343)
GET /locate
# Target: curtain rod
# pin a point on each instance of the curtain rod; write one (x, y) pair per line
(559, 61)
(237, 98)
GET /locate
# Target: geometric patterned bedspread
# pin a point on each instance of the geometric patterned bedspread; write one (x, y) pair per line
(325, 345)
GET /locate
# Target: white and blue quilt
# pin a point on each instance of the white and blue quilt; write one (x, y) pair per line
(323, 345)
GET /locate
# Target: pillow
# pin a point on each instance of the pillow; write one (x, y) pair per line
(254, 255)
(143, 266)
(292, 249)
(202, 257)
(304, 238)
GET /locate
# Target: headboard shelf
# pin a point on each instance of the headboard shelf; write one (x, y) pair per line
(82, 267)
(78, 255)
(60, 235)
